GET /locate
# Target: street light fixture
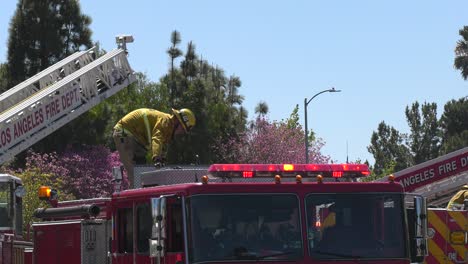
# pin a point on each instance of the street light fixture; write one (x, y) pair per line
(306, 103)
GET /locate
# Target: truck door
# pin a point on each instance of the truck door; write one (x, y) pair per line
(123, 235)
(168, 231)
(133, 231)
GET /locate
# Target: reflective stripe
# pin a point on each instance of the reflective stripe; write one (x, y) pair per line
(148, 130)
(122, 131)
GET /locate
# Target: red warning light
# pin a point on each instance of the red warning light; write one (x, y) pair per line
(337, 174)
(247, 174)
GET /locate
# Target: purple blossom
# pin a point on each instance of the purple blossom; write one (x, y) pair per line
(87, 173)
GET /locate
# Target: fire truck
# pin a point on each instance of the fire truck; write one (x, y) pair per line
(39, 106)
(234, 213)
(237, 213)
(437, 180)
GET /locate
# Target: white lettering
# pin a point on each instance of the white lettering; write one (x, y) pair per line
(464, 161)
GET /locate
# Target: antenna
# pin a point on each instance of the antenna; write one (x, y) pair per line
(347, 151)
(197, 162)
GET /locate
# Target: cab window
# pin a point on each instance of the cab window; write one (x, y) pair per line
(144, 220)
(176, 237)
(125, 230)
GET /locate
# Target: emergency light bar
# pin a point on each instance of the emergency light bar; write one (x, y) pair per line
(289, 170)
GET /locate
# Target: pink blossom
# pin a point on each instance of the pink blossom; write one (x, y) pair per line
(270, 142)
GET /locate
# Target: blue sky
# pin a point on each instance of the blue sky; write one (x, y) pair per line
(383, 55)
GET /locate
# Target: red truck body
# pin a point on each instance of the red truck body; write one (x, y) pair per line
(127, 218)
(447, 236)
(227, 217)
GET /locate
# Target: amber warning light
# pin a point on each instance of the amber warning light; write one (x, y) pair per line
(44, 193)
(289, 170)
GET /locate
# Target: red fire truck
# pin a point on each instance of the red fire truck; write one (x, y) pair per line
(12, 243)
(237, 213)
(437, 180)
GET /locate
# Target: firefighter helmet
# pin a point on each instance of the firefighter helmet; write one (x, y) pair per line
(186, 118)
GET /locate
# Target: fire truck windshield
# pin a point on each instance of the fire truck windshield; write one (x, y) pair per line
(355, 225)
(244, 227)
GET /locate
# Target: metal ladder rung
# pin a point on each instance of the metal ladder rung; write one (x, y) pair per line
(51, 89)
(20, 90)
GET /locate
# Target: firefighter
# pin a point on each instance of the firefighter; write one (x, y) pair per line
(148, 129)
(459, 198)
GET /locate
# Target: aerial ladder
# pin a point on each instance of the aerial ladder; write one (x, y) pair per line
(437, 180)
(40, 105)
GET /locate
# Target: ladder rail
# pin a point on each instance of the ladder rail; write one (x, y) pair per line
(55, 87)
(45, 78)
(54, 106)
(42, 133)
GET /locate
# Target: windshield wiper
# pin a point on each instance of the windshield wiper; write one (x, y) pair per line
(274, 255)
(336, 254)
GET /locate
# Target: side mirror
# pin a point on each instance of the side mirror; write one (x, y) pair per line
(158, 233)
(20, 191)
(419, 247)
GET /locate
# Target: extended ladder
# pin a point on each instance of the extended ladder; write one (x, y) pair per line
(45, 78)
(54, 97)
(437, 179)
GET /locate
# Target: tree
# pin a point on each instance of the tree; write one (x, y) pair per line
(387, 146)
(80, 173)
(261, 109)
(214, 99)
(233, 96)
(454, 125)
(40, 170)
(174, 52)
(293, 120)
(3, 77)
(43, 33)
(461, 53)
(424, 140)
(270, 142)
(189, 65)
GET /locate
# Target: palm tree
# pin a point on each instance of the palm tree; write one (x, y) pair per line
(461, 53)
(261, 109)
(233, 96)
(174, 52)
(189, 66)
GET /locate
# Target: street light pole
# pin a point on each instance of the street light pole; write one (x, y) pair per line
(306, 103)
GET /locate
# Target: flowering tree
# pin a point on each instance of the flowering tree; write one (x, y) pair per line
(270, 142)
(90, 171)
(86, 173)
(82, 174)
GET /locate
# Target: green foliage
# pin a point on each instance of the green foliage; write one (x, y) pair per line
(32, 179)
(461, 53)
(387, 145)
(43, 33)
(454, 125)
(3, 77)
(429, 137)
(293, 120)
(174, 52)
(192, 83)
(261, 109)
(215, 100)
(424, 140)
